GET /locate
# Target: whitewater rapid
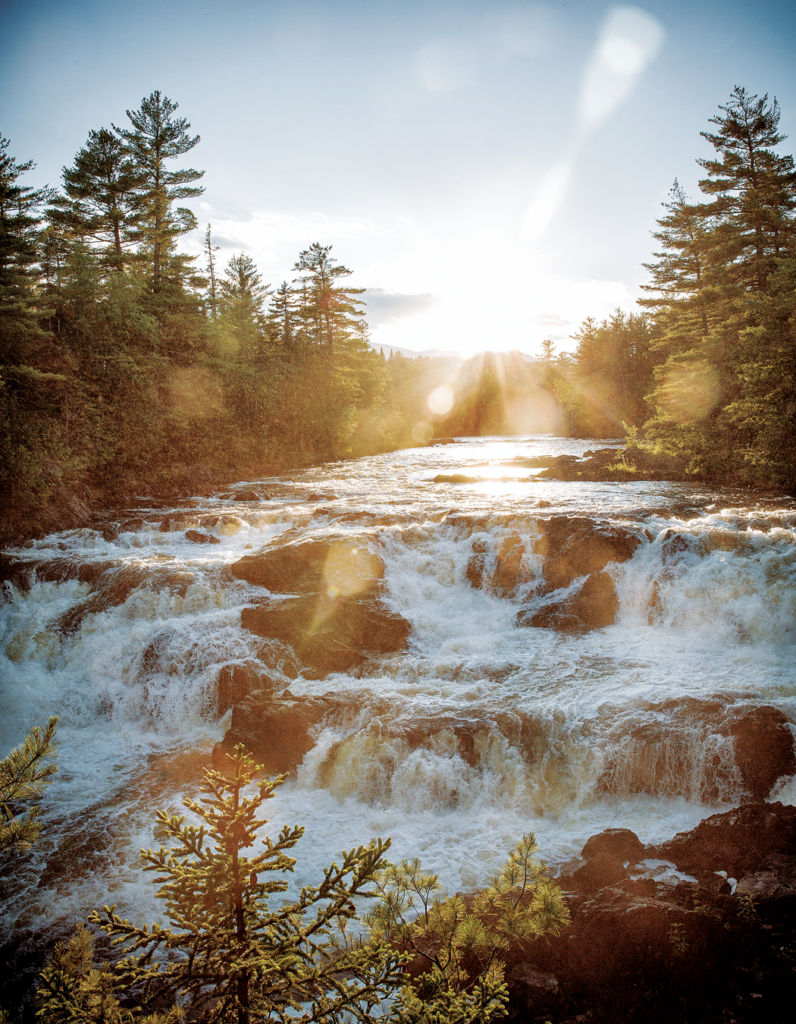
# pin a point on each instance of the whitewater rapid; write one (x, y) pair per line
(123, 633)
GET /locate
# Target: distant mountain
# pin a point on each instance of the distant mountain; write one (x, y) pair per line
(438, 353)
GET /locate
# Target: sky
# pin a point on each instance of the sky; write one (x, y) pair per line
(491, 173)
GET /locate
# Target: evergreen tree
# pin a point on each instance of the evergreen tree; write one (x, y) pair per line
(330, 312)
(157, 136)
(20, 217)
(457, 951)
(103, 196)
(725, 395)
(23, 775)
(212, 281)
(282, 319)
(242, 295)
(225, 954)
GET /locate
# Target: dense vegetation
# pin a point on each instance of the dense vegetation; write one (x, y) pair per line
(125, 366)
(709, 367)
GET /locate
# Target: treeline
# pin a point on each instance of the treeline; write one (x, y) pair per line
(707, 370)
(125, 365)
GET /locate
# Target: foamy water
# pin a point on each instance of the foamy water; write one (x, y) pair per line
(479, 732)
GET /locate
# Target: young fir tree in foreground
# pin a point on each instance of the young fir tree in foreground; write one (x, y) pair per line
(23, 776)
(227, 956)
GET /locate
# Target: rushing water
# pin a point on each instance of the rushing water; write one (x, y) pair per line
(124, 639)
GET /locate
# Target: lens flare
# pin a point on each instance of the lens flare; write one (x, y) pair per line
(440, 401)
(690, 392)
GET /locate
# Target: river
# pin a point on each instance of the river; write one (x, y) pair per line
(123, 635)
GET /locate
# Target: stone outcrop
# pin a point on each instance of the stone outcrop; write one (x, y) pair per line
(642, 950)
(593, 606)
(329, 634)
(572, 546)
(741, 842)
(503, 573)
(764, 750)
(197, 537)
(236, 681)
(620, 843)
(277, 730)
(313, 567)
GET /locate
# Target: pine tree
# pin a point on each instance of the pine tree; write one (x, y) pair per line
(457, 950)
(23, 775)
(103, 197)
(242, 295)
(330, 312)
(725, 396)
(156, 137)
(20, 217)
(226, 955)
(212, 282)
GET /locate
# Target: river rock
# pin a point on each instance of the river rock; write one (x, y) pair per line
(235, 682)
(197, 537)
(600, 870)
(336, 567)
(593, 606)
(764, 750)
(617, 842)
(329, 635)
(572, 546)
(741, 841)
(277, 731)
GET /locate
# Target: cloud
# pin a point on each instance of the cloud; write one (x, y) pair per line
(630, 39)
(552, 320)
(385, 307)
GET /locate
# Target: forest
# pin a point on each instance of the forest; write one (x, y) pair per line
(127, 367)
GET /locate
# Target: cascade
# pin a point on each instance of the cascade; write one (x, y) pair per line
(556, 657)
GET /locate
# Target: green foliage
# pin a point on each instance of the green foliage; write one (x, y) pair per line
(24, 773)
(458, 948)
(226, 953)
(723, 301)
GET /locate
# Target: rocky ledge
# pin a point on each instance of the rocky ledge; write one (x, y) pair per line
(717, 945)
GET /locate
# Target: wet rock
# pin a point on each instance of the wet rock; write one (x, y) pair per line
(674, 545)
(236, 682)
(17, 574)
(594, 606)
(573, 546)
(244, 495)
(600, 870)
(329, 635)
(773, 891)
(277, 731)
(741, 841)
(321, 497)
(455, 478)
(474, 573)
(620, 843)
(764, 749)
(196, 537)
(337, 567)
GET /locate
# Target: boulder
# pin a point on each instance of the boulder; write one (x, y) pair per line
(277, 731)
(244, 495)
(572, 546)
(329, 634)
(336, 567)
(197, 537)
(764, 752)
(742, 841)
(600, 870)
(235, 682)
(617, 842)
(593, 606)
